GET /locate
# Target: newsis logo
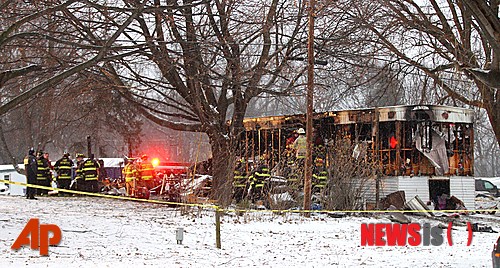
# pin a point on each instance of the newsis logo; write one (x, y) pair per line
(408, 234)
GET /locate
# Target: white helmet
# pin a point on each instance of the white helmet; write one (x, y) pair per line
(301, 131)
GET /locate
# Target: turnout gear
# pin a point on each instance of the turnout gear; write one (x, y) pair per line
(147, 172)
(63, 168)
(240, 181)
(130, 171)
(259, 182)
(90, 170)
(320, 176)
(290, 150)
(43, 169)
(300, 146)
(131, 177)
(319, 181)
(289, 144)
(79, 183)
(43, 173)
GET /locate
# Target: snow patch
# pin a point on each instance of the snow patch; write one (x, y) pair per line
(98, 232)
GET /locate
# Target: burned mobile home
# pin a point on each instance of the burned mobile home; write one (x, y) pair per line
(423, 150)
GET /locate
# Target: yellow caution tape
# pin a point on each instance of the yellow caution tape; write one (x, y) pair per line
(217, 208)
(107, 196)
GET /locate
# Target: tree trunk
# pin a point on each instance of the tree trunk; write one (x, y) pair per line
(494, 116)
(223, 158)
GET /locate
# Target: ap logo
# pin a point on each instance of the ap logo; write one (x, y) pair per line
(37, 236)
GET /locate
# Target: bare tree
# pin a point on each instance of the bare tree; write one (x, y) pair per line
(350, 178)
(205, 62)
(43, 57)
(455, 43)
(201, 64)
(486, 151)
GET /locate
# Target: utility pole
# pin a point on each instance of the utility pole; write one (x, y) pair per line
(309, 112)
(89, 146)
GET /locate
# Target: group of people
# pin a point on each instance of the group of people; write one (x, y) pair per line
(40, 171)
(253, 183)
(82, 174)
(296, 148)
(138, 175)
(250, 184)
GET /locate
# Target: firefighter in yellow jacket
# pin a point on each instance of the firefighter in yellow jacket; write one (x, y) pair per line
(78, 183)
(240, 180)
(90, 171)
(131, 176)
(43, 174)
(147, 172)
(259, 186)
(320, 176)
(297, 173)
(300, 145)
(63, 168)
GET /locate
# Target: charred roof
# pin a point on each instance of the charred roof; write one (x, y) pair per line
(435, 113)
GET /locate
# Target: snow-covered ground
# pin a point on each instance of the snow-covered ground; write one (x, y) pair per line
(100, 232)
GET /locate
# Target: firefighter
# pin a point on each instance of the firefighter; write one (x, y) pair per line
(289, 144)
(147, 172)
(90, 171)
(259, 182)
(31, 169)
(43, 171)
(297, 167)
(63, 168)
(78, 182)
(240, 180)
(320, 176)
(300, 145)
(319, 149)
(103, 174)
(131, 176)
(51, 167)
(50, 176)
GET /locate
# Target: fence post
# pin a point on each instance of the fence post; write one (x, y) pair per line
(217, 227)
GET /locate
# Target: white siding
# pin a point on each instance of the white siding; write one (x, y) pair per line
(415, 186)
(387, 185)
(460, 186)
(400, 113)
(464, 189)
(13, 176)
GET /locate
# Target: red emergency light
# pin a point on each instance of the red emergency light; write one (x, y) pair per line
(155, 162)
(393, 142)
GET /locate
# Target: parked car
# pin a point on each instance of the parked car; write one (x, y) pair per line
(495, 254)
(487, 186)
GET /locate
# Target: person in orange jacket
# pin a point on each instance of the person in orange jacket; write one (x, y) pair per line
(147, 172)
(131, 175)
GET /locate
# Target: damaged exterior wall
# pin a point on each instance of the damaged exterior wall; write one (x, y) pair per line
(408, 140)
(464, 189)
(412, 143)
(461, 187)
